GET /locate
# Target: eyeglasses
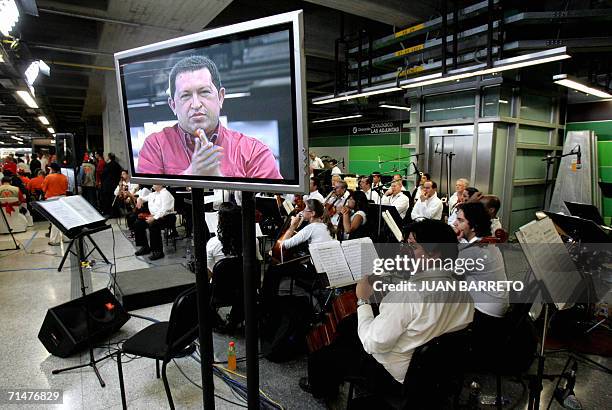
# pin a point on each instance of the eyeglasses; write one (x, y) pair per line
(307, 210)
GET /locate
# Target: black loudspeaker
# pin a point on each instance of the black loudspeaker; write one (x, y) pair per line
(64, 331)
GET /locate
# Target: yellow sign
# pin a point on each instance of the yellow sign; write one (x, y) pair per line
(409, 50)
(409, 30)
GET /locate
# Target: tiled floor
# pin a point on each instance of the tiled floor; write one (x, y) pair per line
(30, 284)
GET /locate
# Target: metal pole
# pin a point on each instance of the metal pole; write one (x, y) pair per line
(204, 317)
(444, 34)
(251, 284)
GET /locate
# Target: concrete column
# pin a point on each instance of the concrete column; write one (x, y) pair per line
(112, 130)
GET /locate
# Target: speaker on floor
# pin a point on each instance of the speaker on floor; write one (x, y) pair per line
(64, 330)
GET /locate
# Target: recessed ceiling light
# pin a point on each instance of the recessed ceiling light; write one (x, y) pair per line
(27, 98)
(51, 130)
(43, 119)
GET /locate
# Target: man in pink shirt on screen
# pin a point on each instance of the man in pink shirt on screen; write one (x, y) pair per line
(196, 98)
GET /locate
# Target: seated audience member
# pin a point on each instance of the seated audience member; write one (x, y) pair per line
(35, 185)
(11, 196)
(228, 239)
(428, 205)
(394, 196)
(406, 320)
(319, 228)
(460, 186)
(161, 208)
(354, 217)
(492, 205)
(314, 191)
(473, 223)
(365, 184)
(468, 194)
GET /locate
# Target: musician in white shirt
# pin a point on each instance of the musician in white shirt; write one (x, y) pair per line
(428, 205)
(337, 198)
(315, 162)
(161, 208)
(318, 230)
(314, 191)
(376, 182)
(365, 184)
(409, 319)
(460, 186)
(335, 170)
(396, 197)
(492, 205)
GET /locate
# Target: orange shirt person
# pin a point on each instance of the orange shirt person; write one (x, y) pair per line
(55, 184)
(36, 183)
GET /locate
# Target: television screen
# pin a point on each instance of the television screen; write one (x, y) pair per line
(224, 108)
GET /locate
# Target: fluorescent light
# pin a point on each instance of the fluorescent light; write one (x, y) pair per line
(2, 142)
(237, 95)
(498, 66)
(565, 81)
(9, 15)
(503, 101)
(16, 138)
(354, 94)
(20, 143)
(51, 130)
(27, 98)
(43, 119)
(337, 118)
(395, 107)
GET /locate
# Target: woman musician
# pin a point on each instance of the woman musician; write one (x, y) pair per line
(353, 214)
(319, 228)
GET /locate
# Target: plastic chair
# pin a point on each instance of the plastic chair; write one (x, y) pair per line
(164, 340)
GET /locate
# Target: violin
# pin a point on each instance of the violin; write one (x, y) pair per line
(343, 306)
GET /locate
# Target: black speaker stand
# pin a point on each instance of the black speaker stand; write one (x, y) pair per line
(83, 263)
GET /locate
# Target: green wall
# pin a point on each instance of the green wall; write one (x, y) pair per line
(603, 130)
(365, 150)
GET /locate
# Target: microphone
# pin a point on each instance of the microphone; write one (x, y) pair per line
(379, 163)
(578, 158)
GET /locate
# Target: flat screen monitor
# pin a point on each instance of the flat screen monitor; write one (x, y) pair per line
(224, 108)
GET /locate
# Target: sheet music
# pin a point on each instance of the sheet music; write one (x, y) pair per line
(329, 258)
(212, 221)
(549, 260)
(64, 215)
(86, 211)
(288, 206)
(258, 232)
(393, 226)
(359, 254)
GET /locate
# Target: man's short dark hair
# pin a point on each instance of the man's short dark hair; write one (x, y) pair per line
(194, 63)
(55, 167)
(315, 181)
(367, 179)
(375, 173)
(477, 217)
(7, 180)
(333, 161)
(435, 237)
(433, 184)
(111, 156)
(491, 202)
(34, 155)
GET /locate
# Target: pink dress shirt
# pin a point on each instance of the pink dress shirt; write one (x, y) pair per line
(167, 152)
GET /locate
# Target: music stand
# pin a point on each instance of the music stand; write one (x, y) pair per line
(375, 211)
(268, 207)
(580, 229)
(585, 211)
(10, 231)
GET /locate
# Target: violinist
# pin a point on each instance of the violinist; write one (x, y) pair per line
(354, 216)
(319, 228)
(383, 346)
(336, 200)
(125, 192)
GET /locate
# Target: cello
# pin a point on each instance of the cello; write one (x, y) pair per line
(343, 306)
(278, 255)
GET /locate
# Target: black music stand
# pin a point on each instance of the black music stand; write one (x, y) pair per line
(375, 211)
(585, 211)
(268, 207)
(95, 245)
(580, 229)
(10, 231)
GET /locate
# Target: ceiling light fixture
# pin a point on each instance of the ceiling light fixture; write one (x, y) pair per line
(337, 118)
(9, 15)
(27, 98)
(573, 83)
(43, 119)
(20, 143)
(16, 138)
(395, 107)
(366, 92)
(51, 130)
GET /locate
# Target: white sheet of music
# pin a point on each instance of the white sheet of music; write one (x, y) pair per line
(328, 257)
(212, 221)
(88, 213)
(357, 253)
(64, 215)
(392, 225)
(550, 261)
